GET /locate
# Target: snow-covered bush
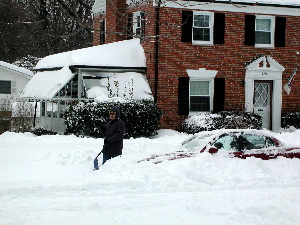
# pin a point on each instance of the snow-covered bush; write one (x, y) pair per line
(290, 119)
(141, 118)
(223, 120)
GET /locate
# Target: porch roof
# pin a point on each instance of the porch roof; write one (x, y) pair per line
(55, 71)
(129, 53)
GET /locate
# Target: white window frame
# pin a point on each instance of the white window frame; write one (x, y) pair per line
(209, 94)
(272, 31)
(137, 22)
(211, 26)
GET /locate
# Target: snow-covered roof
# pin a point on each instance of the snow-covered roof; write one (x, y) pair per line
(45, 85)
(16, 68)
(128, 53)
(124, 54)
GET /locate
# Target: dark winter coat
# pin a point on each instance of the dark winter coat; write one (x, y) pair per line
(114, 134)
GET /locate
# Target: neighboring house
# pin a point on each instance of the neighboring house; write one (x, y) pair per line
(12, 81)
(204, 56)
(111, 72)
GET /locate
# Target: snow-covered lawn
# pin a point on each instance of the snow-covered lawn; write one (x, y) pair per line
(50, 180)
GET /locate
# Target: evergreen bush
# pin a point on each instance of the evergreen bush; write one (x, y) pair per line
(42, 131)
(290, 119)
(223, 120)
(85, 118)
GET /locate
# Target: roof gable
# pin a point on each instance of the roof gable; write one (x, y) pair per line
(15, 68)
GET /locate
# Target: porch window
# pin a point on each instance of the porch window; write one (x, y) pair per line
(199, 96)
(5, 87)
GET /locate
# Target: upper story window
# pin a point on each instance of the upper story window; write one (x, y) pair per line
(139, 24)
(5, 87)
(202, 28)
(264, 31)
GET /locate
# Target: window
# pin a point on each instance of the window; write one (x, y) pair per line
(139, 24)
(5, 87)
(202, 28)
(199, 96)
(264, 31)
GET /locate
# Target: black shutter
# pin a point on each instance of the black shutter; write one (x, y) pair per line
(219, 28)
(250, 30)
(130, 26)
(187, 26)
(183, 96)
(280, 23)
(219, 94)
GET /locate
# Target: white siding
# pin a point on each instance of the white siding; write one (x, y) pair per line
(18, 80)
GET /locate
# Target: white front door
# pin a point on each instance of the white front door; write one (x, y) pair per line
(262, 101)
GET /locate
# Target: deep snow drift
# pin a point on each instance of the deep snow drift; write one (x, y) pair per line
(50, 180)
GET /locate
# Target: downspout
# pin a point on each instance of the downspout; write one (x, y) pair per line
(156, 51)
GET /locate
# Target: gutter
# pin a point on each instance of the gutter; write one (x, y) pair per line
(116, 69)
(250, 3)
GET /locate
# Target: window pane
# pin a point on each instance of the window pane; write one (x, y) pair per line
(199, 88)
(199, 103)
(262, 37)
(5, 87)
(263, 24)
(201, 21)
(201, 34)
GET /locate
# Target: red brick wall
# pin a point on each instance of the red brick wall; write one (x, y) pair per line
(175, 57)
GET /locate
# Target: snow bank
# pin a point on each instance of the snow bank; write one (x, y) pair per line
(49, 180)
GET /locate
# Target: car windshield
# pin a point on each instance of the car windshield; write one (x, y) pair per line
(240, 142)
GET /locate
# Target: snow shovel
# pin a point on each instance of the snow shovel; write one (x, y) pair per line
(96, 166)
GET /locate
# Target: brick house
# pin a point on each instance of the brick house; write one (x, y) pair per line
(212, 55)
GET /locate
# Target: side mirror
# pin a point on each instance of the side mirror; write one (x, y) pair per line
(213, 150)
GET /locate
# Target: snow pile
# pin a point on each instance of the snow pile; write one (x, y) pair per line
(126, 86)
(49, 180)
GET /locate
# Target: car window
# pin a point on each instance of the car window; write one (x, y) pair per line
(253, 141)
(226, 142)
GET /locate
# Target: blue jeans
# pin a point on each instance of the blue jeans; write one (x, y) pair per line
(107, 156)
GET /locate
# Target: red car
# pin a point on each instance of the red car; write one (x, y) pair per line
(233, 143)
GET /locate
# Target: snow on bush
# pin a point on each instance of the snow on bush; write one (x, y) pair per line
(226, 119)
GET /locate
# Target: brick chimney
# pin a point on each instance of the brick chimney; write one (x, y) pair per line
(116, 20)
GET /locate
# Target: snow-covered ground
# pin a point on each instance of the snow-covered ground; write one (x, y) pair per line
(50, 180)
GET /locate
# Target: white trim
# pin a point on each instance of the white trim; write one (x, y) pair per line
(266, 10)
(265, 68)
(211, 28)
(272, 31)
(203, 75)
